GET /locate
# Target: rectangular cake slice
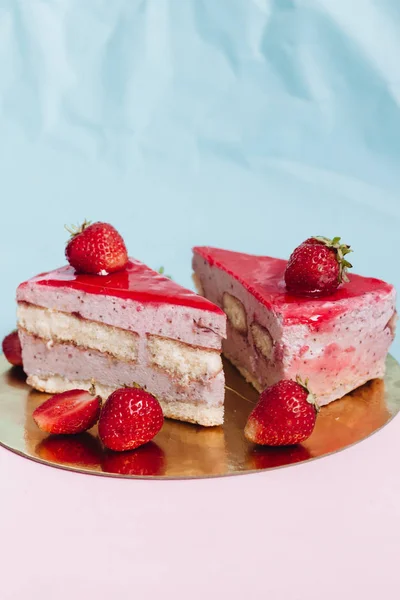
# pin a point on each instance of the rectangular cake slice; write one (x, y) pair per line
(338, 342)
(134, 326)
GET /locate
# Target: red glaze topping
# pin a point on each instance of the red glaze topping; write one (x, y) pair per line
(263, 277)
(136, 282)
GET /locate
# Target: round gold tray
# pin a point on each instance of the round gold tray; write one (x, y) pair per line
(182, 450)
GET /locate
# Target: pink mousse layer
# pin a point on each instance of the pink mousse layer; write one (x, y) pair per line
(74, 363)
(137, 299)
(337, 342)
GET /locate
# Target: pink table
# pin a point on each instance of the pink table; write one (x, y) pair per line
(326, 529)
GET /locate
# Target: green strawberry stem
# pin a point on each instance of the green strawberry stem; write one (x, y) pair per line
(341, 251)
(74, 230)
(133, 385)
(161, 270)
(310, 398)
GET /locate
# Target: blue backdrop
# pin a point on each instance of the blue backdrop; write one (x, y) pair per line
(247, 124)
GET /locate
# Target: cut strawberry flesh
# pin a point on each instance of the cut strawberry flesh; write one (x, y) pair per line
(68, 413)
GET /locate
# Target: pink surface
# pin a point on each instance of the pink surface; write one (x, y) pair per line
(325, 529)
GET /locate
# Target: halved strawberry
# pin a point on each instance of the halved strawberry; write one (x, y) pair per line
(12, 349)
(69, 412)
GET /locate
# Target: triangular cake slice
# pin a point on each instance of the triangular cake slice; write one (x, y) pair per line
(134, 326)
(337, 342)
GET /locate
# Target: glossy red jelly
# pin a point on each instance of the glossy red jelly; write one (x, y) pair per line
(263, 277)
(136, 282)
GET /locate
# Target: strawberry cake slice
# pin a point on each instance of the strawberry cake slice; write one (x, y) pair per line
(113, 330)
(337, 341)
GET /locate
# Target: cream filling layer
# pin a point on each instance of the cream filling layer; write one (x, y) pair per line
(55, 326)
(183, 362)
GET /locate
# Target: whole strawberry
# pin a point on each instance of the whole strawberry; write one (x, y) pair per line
(130, 418)
(12, 349)
(96, 248)
(317, 267)
(285, 415)
(70, 412)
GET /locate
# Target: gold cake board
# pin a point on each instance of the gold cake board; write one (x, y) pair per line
(182, 450)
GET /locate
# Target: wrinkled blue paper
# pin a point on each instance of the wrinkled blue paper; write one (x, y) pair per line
(248, 124)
